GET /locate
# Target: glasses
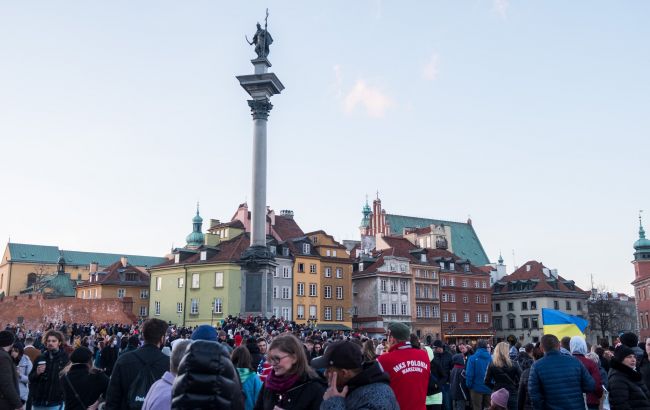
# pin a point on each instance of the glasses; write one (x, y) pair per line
(277, 359)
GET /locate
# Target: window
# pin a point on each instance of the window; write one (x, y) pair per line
(218, 305)
(196, 278)
(286, 313)
(121, 293)
(143, 311)
(484, 298)
(218, 279)
(301, 312)
(273, 249)
(312, 289)
(418, 311)
(497, 323)
(285, 292)
(194, 307)
(312, 268)
(465, 283)
(312, 311)
(445, 297)
(466, 317)
(497, 307)
(383, 285)
(339, 292)
(328, 313)
(478, 318)
(339, 312)
(484, 285)
(334, 254)
(485, 318)
(427, 311)
(179, 307)
(275, 292)
(466, 267)
(328, 272)
(393, 308)
(452, 266)
(306, 248)
(443, 281)
(452, 317)
(393, 286)
(404, 310)
(383, 309)
(158, 283)
(275, 311)
(477, 284)
(425, 292)
(339, 273)
(180, 282)
(511, 306)
(478, 299)
(300, 289)
(578, 305)
(156, 305)
(524, 305)
(177, 258)
(465, 299)
(511, 323)
(452, 297)
(445, 317)
(556, 305)
(417, 291)
(301, 268)
(276, 272)
(286, 272)
(285, 251)
(533, 305)
(328, 292)
(452, 282)
(568, 305)
(402, 286)
(524, 322)
(144, 293)
(204, 255)
(402, 268)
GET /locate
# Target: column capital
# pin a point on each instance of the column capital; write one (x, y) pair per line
(260, 108)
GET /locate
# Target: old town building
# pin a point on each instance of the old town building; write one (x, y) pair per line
(641, 281)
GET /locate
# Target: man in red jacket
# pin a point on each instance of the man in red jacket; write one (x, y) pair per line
(407, 367)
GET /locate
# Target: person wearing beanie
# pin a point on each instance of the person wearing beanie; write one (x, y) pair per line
(443, 358)
(499, 399)
(9, 391)
(458, 391)
(626, 387)
(409, 368)
(82, 385)
(205, 332)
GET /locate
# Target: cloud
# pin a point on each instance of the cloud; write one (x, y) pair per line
(371, 98)
(431, 68)
(501, 7)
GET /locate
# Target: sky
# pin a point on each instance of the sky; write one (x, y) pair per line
(533, 118)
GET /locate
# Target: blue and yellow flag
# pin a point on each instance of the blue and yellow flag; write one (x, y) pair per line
(561, 324)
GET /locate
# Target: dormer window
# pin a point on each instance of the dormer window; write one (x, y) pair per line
(177, 258)
(451, 266)
(131, 277)
(442, 264)
(466, 267)
(423, 257)
(306, 248)
(285, 251)
(204, 255)
(273, 249)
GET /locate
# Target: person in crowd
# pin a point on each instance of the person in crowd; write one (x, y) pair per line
(44, 382)
(251, 384)
(604, 357)
(565, 346)
(254, 350)
(9, 393)
(317, 350)
(499, 399)
(159, 396)
(514, 350)
(24, 366)
(523, 398)
(443, 358)
(644, 366)
(381, 347)
(631, 340)
(434, 393)
(477, 365)
(83, 386)
(408, 368)
(132, 343)
(263, 367)
(525, 356)
(108, 355)
(292, 384)
(128, 366)
(223, 339)
(558, 381)
(578, 348)
(626, 388)
(31, 351)
(458, 391)
(503, 373)
(369, 354)
(354, 384)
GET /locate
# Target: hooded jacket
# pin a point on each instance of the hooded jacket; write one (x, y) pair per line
(251, 386)
(370, 389)
(626, 388)
(579, 350)
(477, 365)
(458, 387)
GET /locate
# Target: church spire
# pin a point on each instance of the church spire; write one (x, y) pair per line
(196, 239)
(641, 230)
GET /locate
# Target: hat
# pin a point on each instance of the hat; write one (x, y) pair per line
(629, 339)
(6, 338)
(458, 358)
(342, 354)
(622, 352)
(500, 397)
(205, 332)
(81, 355)
(399, 331)
(438, 343)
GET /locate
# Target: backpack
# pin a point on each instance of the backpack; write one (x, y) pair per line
(140, 386)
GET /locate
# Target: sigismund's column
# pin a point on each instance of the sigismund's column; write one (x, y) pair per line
(257, 262)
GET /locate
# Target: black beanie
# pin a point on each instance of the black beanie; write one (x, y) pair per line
(629, 339)
(6, 338)
(81, 355)
(622, 352)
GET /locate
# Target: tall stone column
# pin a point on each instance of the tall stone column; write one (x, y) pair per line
(257, 262)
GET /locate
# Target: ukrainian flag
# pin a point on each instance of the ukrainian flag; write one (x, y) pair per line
(561, 324)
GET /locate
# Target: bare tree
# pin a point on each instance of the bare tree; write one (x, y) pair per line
(608, 313)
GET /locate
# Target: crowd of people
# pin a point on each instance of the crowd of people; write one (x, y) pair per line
(259, 364)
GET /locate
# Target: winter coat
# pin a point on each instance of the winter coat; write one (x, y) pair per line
(251, 385)
(523, 398)
(557, 382)
(524, 361)
(626, 388)
(644, 369)
(159, 395)
(89, 385)
(46, 387)
(24, 368)
(593, 398)
(207, 379)
(457, 388)
(9, 397)
(476, 368)
(306, 394)
(445, 362)
(126, 370)
(369, 390)
(504, 377)
(108, 358)
(409, 370)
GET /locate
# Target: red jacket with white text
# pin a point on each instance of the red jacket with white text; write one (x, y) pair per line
(409, 371)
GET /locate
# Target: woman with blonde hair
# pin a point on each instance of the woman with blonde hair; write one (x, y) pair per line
(292, 384)
(503, 373)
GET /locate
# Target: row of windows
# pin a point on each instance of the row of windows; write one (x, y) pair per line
(217, 306)
(426, 291)
(526, 323)
(313, 268)
(423, 273)
(121, 292)
(464, 283)
(451, 297)
(286, 272)
(532, 305)
(404, 311)
(313, 312)
(643, 320)
(427, 311)
(451, 317)
(403, 285)
(196, 281)
(327, 290)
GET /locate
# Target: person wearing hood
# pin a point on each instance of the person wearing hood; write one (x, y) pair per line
(477, 365)
(626, 388)
(578, 349)
(457, 388)
(353, 384)
(251, 384)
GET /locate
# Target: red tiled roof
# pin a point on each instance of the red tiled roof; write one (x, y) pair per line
(111, 275)
(228, 251)
(537, 272)
(485, 268)
(287, 228)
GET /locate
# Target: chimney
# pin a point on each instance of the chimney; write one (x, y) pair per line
(287, 213)
(124, 260)
(94, 267)
(214, 222)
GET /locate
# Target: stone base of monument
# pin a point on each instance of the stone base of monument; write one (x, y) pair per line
(258, 265)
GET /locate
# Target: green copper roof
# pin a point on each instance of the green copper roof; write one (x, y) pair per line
(196, 238)
(464, 241)
(61, 285)
(21, 252)
(642, 242)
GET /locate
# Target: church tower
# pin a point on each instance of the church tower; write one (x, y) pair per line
(641, 281)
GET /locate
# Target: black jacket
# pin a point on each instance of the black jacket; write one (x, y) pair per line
(644, 369)
(207, 379)
(9, 394)
(504, 377)
(626, 388)
(126, 370)
(445, 362)
(458, 388)
(524, 361)
(306, 394)
(88, 385)
(45, 389)
(523, 399)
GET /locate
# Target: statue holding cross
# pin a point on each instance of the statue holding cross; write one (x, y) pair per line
(262, 39)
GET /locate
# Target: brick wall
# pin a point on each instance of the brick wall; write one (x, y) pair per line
(37, 312)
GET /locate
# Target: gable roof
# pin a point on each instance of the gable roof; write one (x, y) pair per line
(464, 241)
(287, 228)
(227, 251)
(115, 275)
(30, 253)
(535, 274)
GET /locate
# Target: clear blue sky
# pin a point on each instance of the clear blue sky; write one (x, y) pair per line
(532, 117)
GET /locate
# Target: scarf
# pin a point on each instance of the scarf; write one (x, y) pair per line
(280, 384)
